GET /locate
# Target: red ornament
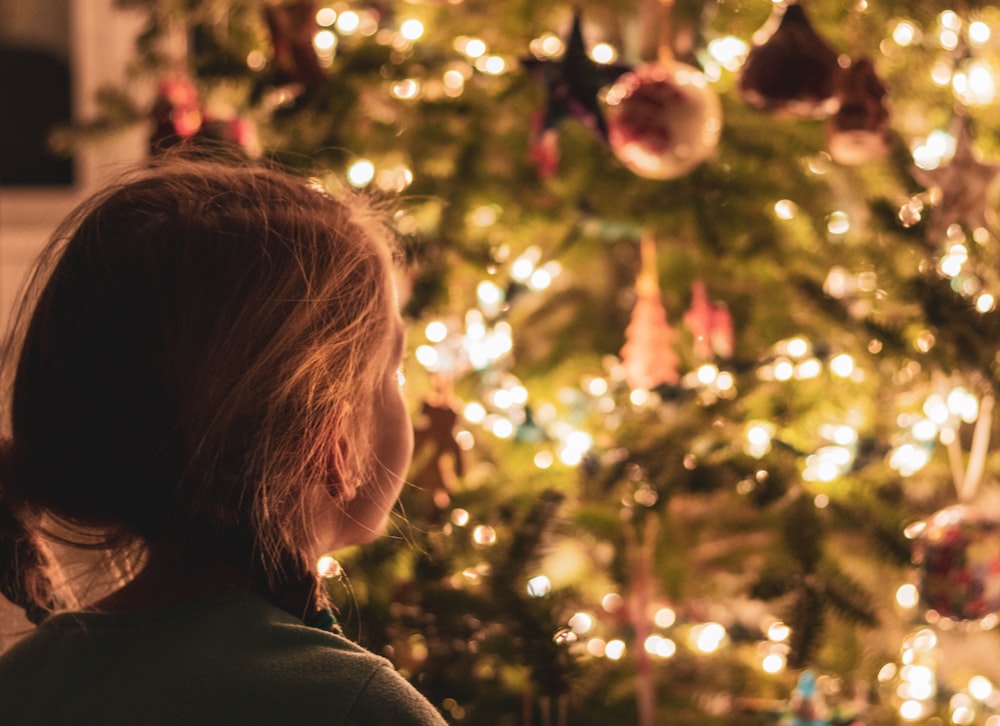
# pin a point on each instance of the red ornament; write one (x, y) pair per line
(791, 70)
(292, 26)
(176, 113)
(663, 119)
(859, 131)
(648, 355)
(710, 323)
(958, 550)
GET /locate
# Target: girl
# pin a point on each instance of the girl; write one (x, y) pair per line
(208, 378)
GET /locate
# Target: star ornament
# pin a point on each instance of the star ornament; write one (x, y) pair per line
(571, 84)
(961, 186)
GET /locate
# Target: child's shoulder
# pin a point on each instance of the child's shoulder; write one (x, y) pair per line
(231, 656)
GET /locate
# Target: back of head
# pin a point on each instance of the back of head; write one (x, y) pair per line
(196, 363)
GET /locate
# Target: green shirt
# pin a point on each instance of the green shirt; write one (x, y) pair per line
(230, 659)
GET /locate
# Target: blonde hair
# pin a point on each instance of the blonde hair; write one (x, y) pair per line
(203, 353)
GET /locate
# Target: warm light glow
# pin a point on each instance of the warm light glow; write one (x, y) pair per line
(502, 428)
(544, 459)
(436, 331)
(614, 650)
(785, 209)
(842, 365)
(539, 586)
(707, 373)
(729, 51)
(979, 32)
(911, 710)
(773, 663)
(427, 357)
(328, 567)
(326, 17)
(361, 173)
(838, 223)
(708, 637)
(778, 631)
(493, 65)
(980, 687)
(348, 22)
(484, 535)
(581, 623)
(603, 53)
(907, 596)
(474, 412)
(931, 153)
(324, 40)
(664, 617)
(904, 33)
(406, 89)
(783, 370)
(411, 29)
(985, 303)
(612, 602)
(474, 47)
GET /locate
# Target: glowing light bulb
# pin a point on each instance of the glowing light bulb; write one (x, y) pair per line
(539, 586)
(326, 17)
(838, 223)
(664, 617)
(785, 209)
(581, 623)
(348, 22)
(324, 40)
(361, 173)
(603, 53)
(544, 459)
(842, 365)
(484, 535)
(614, 650)
(729, 51)
(979, 32)
(907, 596)
(980, 687)
(904, 33)
(436, 331)
(778, 632)
(474, 47)
(708, 637)
(773, 663)
(411, 29)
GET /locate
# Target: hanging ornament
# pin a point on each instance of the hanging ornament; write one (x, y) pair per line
(958, 551)
(961, 187)
(571, 84)
(710, 323)
(958, 548)
(437, 455)
(648, 355)
(176, 113)
(292, 26)
(859, 132)
(791, 70)
(663, 119)
(807, 707)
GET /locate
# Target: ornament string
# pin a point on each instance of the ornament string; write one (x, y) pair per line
(664, 50)
(979, 449)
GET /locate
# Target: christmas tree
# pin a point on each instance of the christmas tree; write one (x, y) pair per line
(782, 508)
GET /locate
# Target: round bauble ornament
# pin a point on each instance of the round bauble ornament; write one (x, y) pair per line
(663, 119)
(791, 70)
(958, 552)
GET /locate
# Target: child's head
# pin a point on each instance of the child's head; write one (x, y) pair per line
(208, 358)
